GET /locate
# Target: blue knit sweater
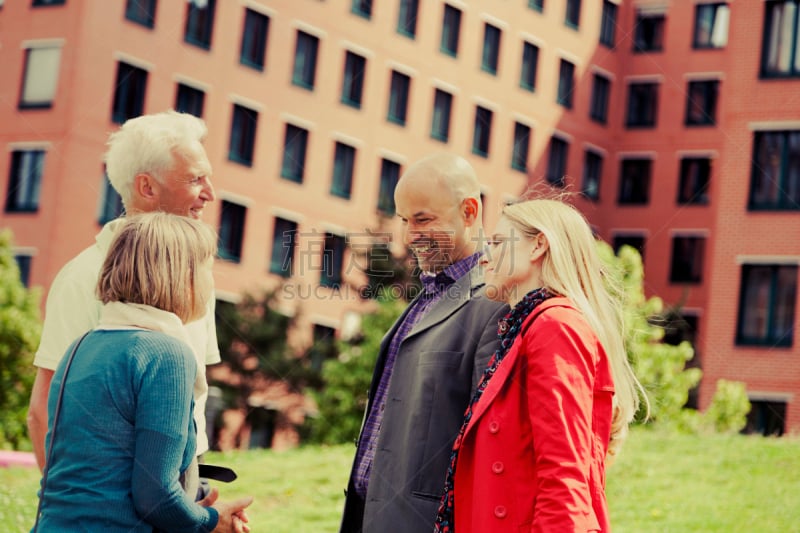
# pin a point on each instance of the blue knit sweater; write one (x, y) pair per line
(124, 434)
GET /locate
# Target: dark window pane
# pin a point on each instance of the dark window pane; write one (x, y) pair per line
(254, 39)
(482, 132)
(701, 103)
(573, 15)
(353, 82)
(642, 105)
(305, 60)
(294, 153)
(536, 5)
(491, 48)
(648, 33)
(390, 174)
(243, 135)
(694, 180)
(530, 60)
(451, 28)
(557, 162)
(407, 18)
(110, 203)
(284, 241)
(711, 25)
(332, 261)
(129, 93)
(398, 99)
(442, 104)
(231, 231)
(566, 83)
(200, 22)
(362, 8)
(608, 24)
(687, 259)
(601, 91)
(522, 141)
(141, 11)
(634, 241)
(24, 266)
(767, 305)
(634, 183)
(25, 181)
(190, 100)
(781, 54)
(343, 163)
(775, 181)
(592, 171)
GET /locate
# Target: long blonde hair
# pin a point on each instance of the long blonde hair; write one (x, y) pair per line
(156, 259)
(572, 268)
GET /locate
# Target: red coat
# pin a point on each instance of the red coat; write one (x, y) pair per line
(532, 457)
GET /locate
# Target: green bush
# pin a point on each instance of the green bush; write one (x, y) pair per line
(728, 410)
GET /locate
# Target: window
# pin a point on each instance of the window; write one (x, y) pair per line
(24, 266)
(398, 98)
(324, 346)
(701, 103)
(522, 141)
(39, 3)
(482, 132)
(129, 93)
(573, 15)
(362, 8)
(536, 5)
(557, 162)
(199, 23)
(407, 18)
(390, 174)
(450, 30)
(781, 53)
(642, 105)
(766, 417)
(141, 11)
(294, 153)
(305, 60)
(711, 25)
(189, 100)
(254, 39)
(231, 231)
(440, 124)
(243, 135)
(601, 91)
(635, 241)
(608, 24)
(634, 182)
(592, 171)
(40, 79)
(648, 32)
(775, 182)
(353, 83)
(110, 203)
(24, 181)
(491, 48)
(566, 83)
(687, 259)
(284, 241)
(530, 60)
(767, 305)
(694, 179)
(332, 261)
(343, 163)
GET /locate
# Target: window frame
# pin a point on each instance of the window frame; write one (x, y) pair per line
(451, 31)
(344, 162)
(407, 14)
(793, 70)
(28, 79)
(199, 26)
(334, 248)
(529, 66)
(536, 5)
(390, 175)
(557, 162)
(482, 131)
(601, 96)
(709, 44)
(639, 194)
(242, 141)
(649, 32)
(362, 8)
(706, 99)
(30, 183)
(520, 150)
(355, 67)
(566, 84)
(592, 174)
(785, 171)
(774, 294)
(144, 16)
(608, 24)
(687, 267)
(490, 56)
(189, 99)
(304, 69)
(572, 14)
(437, 119)
(399, 96)
(130, 91)
(255, 35)
(693, 185)
(638, 99)
(232, 250)
(282, 262)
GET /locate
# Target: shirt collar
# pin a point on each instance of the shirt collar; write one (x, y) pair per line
(433, 282)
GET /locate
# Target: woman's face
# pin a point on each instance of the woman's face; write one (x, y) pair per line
(510, 265)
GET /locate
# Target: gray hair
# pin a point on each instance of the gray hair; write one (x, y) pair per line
(147, 145)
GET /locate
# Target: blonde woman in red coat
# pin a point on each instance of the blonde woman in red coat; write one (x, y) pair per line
(556, 398)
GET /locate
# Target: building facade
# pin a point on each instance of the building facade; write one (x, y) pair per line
(677, 122)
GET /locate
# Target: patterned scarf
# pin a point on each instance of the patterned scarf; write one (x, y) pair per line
(508, 329)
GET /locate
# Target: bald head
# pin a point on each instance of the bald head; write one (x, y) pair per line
(446, 173)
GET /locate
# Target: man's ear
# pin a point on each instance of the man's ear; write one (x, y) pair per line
(145, 187)
(540, 247)
(469, 208)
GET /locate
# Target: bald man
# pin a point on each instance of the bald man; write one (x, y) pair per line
(431, 359)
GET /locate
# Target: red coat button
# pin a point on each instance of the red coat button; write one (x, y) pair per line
(498, 467)
(494, 426)
(500, 511)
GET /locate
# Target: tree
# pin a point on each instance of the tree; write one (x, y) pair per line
(344, 397)
(20, 328)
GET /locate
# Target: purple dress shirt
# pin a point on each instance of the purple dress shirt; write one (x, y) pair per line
(435, 287)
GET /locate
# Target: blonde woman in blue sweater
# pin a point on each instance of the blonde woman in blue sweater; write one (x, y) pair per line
(125, 434)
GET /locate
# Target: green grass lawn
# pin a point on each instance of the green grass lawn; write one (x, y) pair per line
(661, 483)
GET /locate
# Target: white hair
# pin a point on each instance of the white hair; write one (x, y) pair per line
(148, 145)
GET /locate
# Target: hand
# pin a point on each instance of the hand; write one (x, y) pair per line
(232, 517)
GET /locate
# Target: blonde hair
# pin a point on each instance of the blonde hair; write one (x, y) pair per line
(148, 145)
(572, 268)
(155, 259)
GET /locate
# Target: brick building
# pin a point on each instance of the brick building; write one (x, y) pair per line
(678, 121)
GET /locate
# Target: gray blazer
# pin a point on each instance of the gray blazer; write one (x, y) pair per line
(437, 369)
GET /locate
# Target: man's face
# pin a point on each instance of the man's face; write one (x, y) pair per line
(434, 225)
(186, 187)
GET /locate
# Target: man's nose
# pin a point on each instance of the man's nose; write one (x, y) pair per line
(208, 193)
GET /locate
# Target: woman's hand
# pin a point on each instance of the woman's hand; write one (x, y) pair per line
(232, 515)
